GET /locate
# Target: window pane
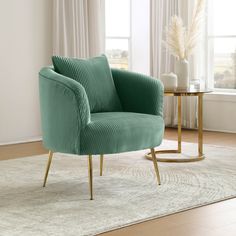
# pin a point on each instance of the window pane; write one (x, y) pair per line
(117, 51)
(224, 16)
(224, 63)
(117, 18)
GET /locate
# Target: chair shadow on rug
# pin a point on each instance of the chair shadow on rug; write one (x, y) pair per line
(89, 109)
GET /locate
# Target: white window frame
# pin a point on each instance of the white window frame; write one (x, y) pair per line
(210, 58)
(127, 38)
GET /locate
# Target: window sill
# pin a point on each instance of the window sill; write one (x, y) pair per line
(221, 96)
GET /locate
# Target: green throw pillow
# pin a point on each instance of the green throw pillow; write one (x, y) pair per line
(94, 75)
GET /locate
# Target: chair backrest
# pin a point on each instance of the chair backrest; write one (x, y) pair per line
(95, 76)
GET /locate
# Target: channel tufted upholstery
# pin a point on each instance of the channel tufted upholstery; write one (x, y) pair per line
(73, 121)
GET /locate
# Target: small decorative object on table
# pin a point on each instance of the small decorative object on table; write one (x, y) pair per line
(169, 81)
(182, 42)
(195, 84)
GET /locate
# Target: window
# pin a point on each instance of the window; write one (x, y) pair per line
(118, 33)
(222, 44)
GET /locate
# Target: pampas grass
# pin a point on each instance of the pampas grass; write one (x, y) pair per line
(182, 42)
(175, 37)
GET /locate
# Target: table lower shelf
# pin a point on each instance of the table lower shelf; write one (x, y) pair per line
(200, 157)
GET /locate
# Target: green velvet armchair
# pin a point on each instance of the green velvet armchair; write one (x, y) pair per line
(88, 108)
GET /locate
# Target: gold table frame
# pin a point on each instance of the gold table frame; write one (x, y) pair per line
(200, 156)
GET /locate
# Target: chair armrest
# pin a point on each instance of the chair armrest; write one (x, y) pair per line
(139, 93)
(64, 111)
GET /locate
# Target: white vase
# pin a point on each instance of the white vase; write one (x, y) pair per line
(182, 71)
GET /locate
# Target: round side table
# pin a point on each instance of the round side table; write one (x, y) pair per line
(183, 93)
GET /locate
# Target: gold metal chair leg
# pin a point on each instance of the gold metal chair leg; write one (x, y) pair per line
(90, 172)
(48, 167)
(155, 165)
(101, 164)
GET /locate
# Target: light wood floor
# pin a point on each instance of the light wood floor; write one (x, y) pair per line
(218, 219)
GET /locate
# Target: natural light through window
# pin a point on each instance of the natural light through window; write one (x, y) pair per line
(118, 33)
(222, 43)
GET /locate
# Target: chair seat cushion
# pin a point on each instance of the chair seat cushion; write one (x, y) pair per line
(94, 75)
(114, 132)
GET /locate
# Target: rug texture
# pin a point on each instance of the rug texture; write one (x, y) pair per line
(127, 193)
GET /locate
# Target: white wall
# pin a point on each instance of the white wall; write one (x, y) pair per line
(219, 112)
(25, 46)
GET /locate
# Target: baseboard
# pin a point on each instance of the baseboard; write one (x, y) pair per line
(221, 131)
(29, 140)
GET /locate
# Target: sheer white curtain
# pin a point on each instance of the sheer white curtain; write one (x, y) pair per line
(161, 61)
(78, 27)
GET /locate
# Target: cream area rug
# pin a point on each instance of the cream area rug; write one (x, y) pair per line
(126, 194)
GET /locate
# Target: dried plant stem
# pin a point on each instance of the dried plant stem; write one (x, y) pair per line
(181, 42)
